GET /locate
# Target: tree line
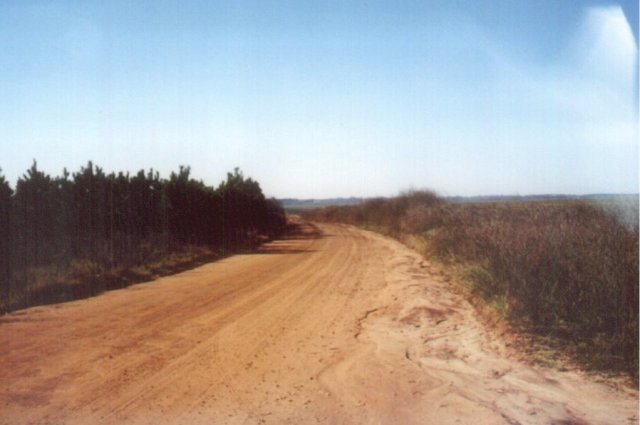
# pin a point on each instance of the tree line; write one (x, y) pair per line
(122, 220)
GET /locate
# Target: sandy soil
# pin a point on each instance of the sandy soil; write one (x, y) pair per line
(332, 326)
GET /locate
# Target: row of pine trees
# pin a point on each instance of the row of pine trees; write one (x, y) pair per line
(122, 220)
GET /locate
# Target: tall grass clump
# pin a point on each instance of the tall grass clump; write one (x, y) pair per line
(563, 269)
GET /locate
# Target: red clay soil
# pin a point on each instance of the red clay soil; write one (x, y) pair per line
(334, 325)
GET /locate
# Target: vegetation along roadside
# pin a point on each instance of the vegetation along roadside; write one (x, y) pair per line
(564, 270)
(76, 235)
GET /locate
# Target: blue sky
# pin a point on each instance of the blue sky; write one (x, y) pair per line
(323, 99)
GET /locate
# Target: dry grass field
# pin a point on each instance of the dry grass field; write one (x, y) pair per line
(564, 270)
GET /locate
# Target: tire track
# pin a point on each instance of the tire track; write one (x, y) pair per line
(333, 325)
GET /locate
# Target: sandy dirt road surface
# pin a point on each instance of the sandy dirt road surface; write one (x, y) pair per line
(333, 325)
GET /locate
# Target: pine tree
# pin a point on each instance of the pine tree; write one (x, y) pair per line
(6, 241)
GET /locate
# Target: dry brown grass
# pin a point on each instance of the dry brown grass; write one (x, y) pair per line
(565, 270)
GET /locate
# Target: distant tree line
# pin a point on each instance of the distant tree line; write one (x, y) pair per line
(119, 220)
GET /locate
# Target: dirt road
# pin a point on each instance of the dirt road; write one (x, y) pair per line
(333, 326)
